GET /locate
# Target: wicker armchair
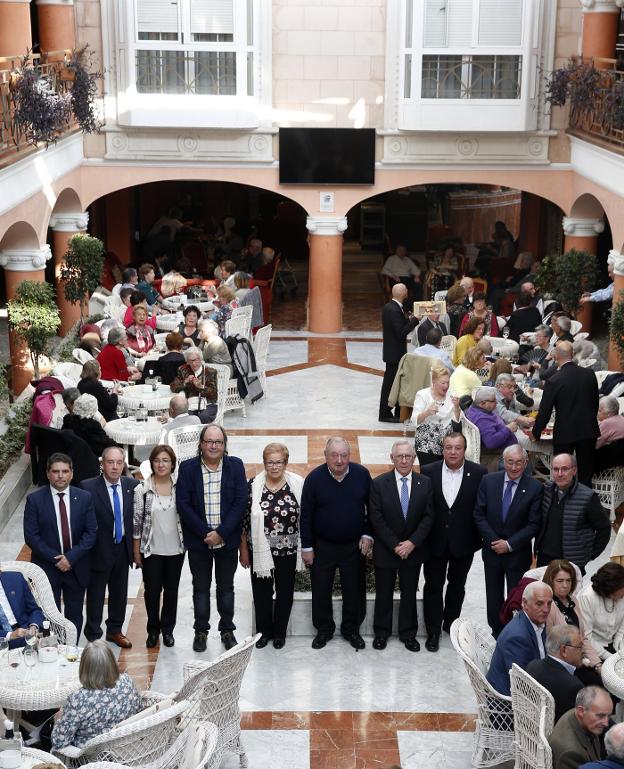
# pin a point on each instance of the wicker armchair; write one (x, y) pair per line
(448, 344)
(261, 351)
(473, 440)
(42, 593)
(534, 717)
(239, 324)
(80, 355)
(609, 485)
(70, 370)
(494, 733)
(184, 441)
(223, 383)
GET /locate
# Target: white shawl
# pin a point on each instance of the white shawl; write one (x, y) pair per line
(262, 558)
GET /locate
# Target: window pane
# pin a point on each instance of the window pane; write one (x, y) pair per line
(158, 18)
(441, 77)
(409, 22)
(495, 77)
(211, 37)
(250, 22)
(212, 17)
(215, 73)
(471, 77)
(250, 74)
(160, 72)
(407, 88)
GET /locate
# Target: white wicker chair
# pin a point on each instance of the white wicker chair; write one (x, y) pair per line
(621, 402)
(609, 485)
(473, 440)
(587, 362)
(184, 441)
(440, 296)
(494, 735)
(483, 373)
(534, 716)
(245, 312)
(42, 593)
(261, 352)
(227, 393)
(82, 356)
(448, 344)
(99, 304)
(70, 370)
(159, 339)
(239, 324)
(134, 744)
(575, 327)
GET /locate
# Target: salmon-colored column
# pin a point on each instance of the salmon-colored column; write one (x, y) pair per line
(64, 227)
(600, 26)
(15, 32)
(617, 260)
(57, 28)
(22, 264)
(582, 234)
(325, 281)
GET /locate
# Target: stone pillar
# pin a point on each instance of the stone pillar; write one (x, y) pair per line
(600, 24)
(64, 227)
(57, 27)
(22, 264)
(325, 281)
(15, 32)
(582, 234)
(617, 260)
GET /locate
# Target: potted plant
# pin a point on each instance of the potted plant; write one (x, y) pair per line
(34, 318)
(82, 269)
(616, 326)
(84, 88)
(41, 111)
(567, 277)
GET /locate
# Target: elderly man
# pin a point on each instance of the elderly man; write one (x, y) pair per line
(508, 516)
(401, 269)
(523, 639)
(610, 421)
(507, 407)
(468, 285)
(573, 392)
(401, 516)
(524, 318)
(429, 322)
(335, 535)
(495, 434)
(561, 326)
(614, 748)
(575, 740)
(564, 652)
(536, 360)
(432, 348)
(196, 379)
(602, 294)
(575, 526)
(178, 416)
(19, 612)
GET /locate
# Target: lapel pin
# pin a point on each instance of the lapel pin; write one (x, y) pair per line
(12, 592)
(468, 474)
(524, 491)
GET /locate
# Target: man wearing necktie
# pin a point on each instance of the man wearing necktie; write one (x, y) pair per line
(401, 515)
(113, 498)
(508, 516)
(60, 528)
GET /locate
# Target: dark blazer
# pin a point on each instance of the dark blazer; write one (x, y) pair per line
(522, 320)
(107, 403)
(389, 526)
(22, 603)
(42, 537)
(103, 550)
(190, 501)
(516, 643)
(424, 327)
(573, 392)
(395, 330)
(454, 529)
(166, 367)
(555, 678)
(523, 518)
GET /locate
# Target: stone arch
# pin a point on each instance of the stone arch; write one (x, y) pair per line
(68, 202)
(587, 206)
(20, 235)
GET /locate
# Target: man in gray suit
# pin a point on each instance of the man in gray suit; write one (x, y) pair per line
(178, 416)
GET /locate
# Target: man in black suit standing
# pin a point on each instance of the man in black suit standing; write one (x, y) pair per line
(395, 330)
(111, 557)
(454, 538)
(573, 392)
(401, 516)
(508, 516)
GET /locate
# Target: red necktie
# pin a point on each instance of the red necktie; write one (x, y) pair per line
(64, 524)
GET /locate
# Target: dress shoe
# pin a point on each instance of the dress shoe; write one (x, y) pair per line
(262, 641)
(394, 420)
(412, 645)
(432, 644)
(279, 643)
(168, 639)
(119, 639)
(379, 643)
(152, 640)
(355, 639)
(199, 642)
(320, 641)
(228, 639)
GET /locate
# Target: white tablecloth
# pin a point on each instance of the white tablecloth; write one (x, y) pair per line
(173, 303)
(32, 757)
(129, 432)
(169, 322)
(43, 687)
(503, 347)
(152, 401)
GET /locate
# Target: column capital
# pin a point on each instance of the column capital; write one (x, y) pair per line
(601, 6)
(69, 222)
(616, 259)
(25, 259)
(579, 227)
(326, 225)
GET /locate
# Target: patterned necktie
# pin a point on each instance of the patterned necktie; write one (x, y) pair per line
(117, 536)
(507, 498)
(64, 524)
(404, 497)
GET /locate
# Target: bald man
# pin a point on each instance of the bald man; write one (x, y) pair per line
(396, 327)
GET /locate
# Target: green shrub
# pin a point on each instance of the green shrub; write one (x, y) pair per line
(12, 442)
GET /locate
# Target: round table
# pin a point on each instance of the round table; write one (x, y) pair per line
(129, 432)
(45, 686)
(33, 757)
(505, 348)
(169, 322)
(173, 303)
(152, 400)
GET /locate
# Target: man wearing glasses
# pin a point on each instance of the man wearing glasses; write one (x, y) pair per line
(211, 498)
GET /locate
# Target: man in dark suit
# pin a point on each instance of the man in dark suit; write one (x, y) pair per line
(395, 330)
(576, 738)
(432, 320)
(454, 538)
(113, 499)
(564, 652)
(401, 516)
(573, 392)
(60, 528)
(508, 516)
(523, 319)
(523, 639)
(211, 498)
(19, 612)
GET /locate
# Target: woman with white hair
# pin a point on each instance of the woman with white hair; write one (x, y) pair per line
(83, 422)
(214, 349)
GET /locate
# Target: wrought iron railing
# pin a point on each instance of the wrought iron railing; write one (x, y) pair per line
(457, 76)
(186, 72)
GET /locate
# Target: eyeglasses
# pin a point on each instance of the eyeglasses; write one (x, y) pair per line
(162, 461)
(572, 646)
(403, 457)
(213, 443)
(275, 463)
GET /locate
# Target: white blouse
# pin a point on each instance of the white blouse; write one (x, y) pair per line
(445, 413)
(602, 620)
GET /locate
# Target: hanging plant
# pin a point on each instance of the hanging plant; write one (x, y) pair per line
(41, 111)
(83, 92)
(616, 326)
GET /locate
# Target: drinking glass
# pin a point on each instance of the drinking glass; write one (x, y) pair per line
(506, 332)
(121, 411)
(14, 658)
(71, 653)
(30, 659)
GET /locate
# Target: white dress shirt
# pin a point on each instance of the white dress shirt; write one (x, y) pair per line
(399, 482)
(66, 499)
(400, 266)
(538, 629)
(514, 488)
(109, 488)
(451, 481)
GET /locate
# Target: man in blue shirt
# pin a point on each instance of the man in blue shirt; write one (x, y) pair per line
(432, 349)
(602, 294)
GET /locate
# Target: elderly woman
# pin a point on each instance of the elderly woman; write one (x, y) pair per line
(270, 543)
(214, 349)
(189, 328)
(158, 545)
(140, 335)
(480, 310)
(241, 284)
(225, 302)
(196, 379)
(464, 379)
(112, 360)
(602, 608)
(495, 434)
(473, 331)
(137, 299)
(83, 422)
(435, 413)
(105, 698)
(611, 426)
(561, 326)
(90, 384)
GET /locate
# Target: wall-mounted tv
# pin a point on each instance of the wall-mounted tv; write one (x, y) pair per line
(327, 155)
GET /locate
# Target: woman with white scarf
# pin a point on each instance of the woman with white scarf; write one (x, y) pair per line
(271, 543)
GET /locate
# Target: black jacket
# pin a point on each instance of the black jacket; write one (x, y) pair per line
(555, 678)
(523, 320)
(90, 430)
(395, 330)
(107, 403)
(424, 327)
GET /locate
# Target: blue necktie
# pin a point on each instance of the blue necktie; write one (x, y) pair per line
(117, 510)
(404, 497)
(4, 622)
(507, 498)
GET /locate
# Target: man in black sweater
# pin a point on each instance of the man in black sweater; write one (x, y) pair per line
(335, 534)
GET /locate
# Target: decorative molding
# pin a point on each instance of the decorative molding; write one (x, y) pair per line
(68, 3)
(616, 259)
(326, 225)
(66, 222)
(601, 6)
(25, 259)
(599, 165)
(579, 227)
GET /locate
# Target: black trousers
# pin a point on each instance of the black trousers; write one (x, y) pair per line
(116, 580)
(272, 618)
(65, 586)
(497, 573)
(585, 453)
(346, 557)
(385, 579)
(386, 386)
(161, 575)
(444, 608)
(225, 563)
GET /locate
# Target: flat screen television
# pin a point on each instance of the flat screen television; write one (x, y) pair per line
(327, 155)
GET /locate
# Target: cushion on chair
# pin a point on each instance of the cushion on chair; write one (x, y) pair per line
(194, 747)
(152, 710)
